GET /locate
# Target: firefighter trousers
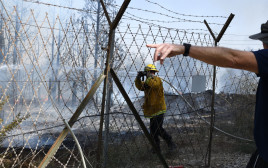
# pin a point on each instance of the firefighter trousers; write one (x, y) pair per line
(156, 130)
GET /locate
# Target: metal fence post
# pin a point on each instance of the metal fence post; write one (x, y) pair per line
(110, 46)
(212, 116)
(108, 104)
(106, 91)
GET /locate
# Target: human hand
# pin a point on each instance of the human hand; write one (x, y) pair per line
(165, 50)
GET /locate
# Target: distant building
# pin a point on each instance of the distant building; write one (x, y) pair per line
(198, 83)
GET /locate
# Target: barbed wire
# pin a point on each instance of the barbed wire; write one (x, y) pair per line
(98, 115)
(121, 76)
(118, 7)
(173, 17)
(160, 26)
(131, 18)
(93, 25)
(202, 16)
(59, 6)
(164, 21)
(139, 19)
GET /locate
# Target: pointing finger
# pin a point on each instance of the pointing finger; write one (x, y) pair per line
(152, 45)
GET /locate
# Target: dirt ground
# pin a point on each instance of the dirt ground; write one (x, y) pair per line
(227, 160)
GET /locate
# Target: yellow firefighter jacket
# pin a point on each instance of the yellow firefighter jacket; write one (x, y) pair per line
(154, 103)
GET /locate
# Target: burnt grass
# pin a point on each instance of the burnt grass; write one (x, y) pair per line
(233, 114)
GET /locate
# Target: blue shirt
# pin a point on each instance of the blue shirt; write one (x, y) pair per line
(261, 108)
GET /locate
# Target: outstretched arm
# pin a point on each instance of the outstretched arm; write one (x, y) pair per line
(219, 56)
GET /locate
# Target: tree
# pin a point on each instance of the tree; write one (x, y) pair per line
(2, 41)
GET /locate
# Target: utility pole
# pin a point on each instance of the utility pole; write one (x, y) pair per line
(52, 80)
(84, 54)
(2, 41)
(96, 55)
(212, 115)
(58, 65)
(14, 94)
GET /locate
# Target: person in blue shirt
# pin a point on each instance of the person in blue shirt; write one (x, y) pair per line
(256, 61)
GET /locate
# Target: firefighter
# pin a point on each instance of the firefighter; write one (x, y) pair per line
(154, 106)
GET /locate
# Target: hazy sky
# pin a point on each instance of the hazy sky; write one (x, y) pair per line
(249, 15)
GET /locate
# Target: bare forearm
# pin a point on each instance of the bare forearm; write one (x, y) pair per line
(216, 56)
(219, 56)
(225, 57)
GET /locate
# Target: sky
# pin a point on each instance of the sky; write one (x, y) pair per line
(249, 15)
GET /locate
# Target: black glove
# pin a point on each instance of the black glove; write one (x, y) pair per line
(140, 74)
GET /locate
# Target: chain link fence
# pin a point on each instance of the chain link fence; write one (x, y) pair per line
(49, 65)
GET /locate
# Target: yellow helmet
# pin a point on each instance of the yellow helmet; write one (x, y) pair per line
(150, 67)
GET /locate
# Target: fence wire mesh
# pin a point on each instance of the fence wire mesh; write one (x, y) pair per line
(49, 65)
